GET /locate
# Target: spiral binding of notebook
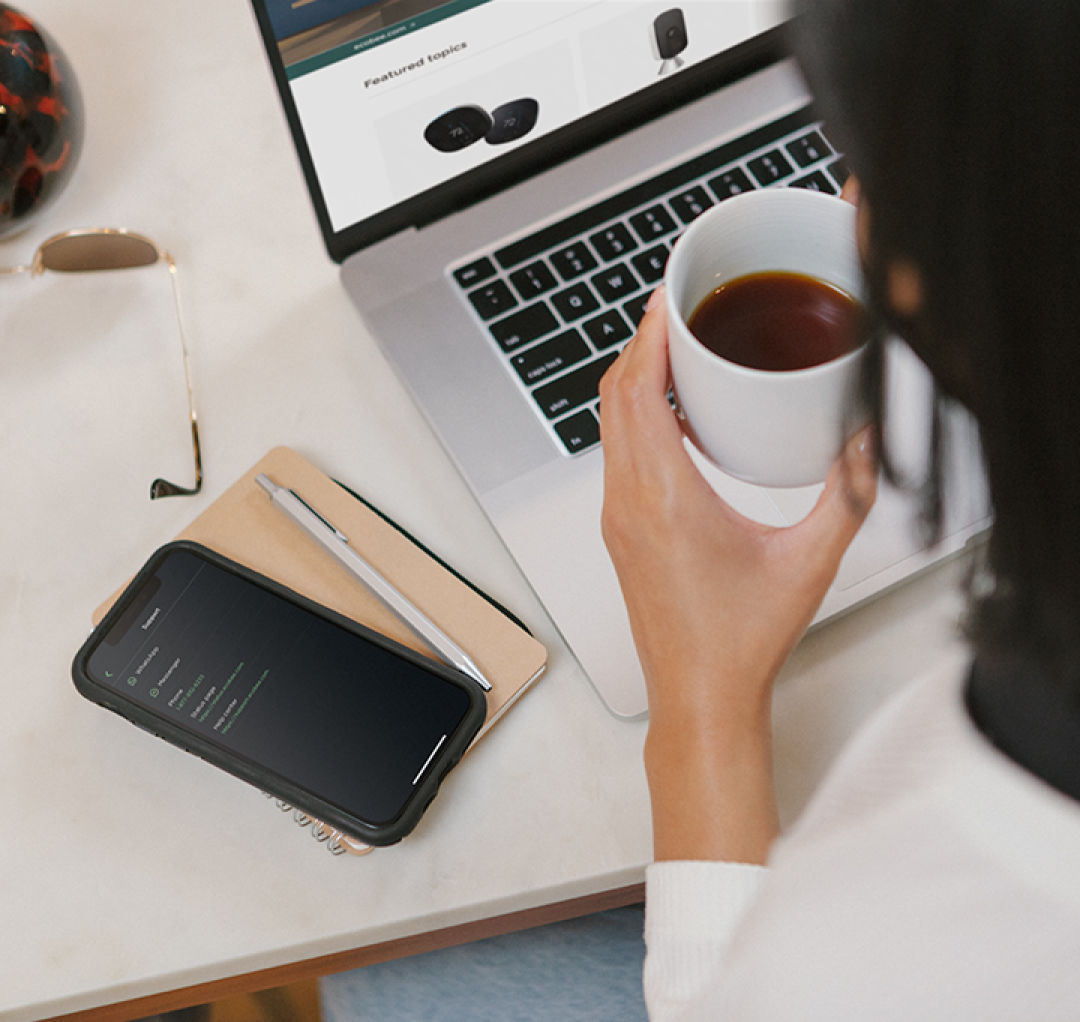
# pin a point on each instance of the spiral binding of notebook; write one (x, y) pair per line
(336, 842)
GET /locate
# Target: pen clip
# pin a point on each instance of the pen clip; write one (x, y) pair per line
(330, 525)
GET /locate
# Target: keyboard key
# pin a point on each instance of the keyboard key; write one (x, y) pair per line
(574, 389)
(579, 432)
(475, 273)
(772, 166)
(691, 204)
(533, 280)
(815, 181)
(522, 327)
(607, 329)
(731, 182)
(650, 265)
(573, 261)
(613, 241)
(551, 357)
(615, 282)
(840, 171)
(653, 223)
(575, 302)
(492, 299)
(635, 309)
(808, 148)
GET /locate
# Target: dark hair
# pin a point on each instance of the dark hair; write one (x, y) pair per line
(960, 119)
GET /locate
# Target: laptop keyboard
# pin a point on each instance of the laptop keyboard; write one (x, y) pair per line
(560, 304)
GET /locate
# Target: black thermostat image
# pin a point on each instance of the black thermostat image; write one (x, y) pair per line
(669, 38)
(331, 717)
(458, 128)
(512, 121)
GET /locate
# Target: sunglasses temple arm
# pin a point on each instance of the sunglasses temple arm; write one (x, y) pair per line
(160, 487)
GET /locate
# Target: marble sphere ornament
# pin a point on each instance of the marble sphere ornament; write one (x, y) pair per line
(41, 119)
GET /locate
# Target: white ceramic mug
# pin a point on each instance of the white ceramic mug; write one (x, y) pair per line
(771, 428)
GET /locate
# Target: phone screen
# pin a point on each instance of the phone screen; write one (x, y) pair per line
(291, 692)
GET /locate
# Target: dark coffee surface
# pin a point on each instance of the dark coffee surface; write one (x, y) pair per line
(777, 321)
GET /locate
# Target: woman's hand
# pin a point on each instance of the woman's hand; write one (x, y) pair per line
(716, 603)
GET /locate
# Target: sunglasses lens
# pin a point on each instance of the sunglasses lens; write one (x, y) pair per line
(74, 253)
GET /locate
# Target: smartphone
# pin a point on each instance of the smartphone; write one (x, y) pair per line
(333, 718)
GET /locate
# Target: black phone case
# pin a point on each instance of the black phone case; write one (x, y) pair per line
(273, 784)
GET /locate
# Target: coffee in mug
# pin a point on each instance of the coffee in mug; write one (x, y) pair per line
(777, 321)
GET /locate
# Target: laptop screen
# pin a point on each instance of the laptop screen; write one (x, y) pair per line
(405, 109)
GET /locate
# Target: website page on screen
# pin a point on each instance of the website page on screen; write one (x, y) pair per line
(398, 96)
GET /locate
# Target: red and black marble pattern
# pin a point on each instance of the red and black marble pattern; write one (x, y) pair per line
(41, 118)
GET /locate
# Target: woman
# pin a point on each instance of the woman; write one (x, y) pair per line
(937, 872)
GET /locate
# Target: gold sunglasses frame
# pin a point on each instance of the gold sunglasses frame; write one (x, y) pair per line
(81, 263)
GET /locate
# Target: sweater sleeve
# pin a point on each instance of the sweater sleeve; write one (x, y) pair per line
(691, 911)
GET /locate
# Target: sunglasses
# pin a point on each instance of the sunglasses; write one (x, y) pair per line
(106, 248)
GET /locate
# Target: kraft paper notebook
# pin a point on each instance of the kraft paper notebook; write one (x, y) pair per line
(244, 526)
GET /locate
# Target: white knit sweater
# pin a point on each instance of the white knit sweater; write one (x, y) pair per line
(930, 878)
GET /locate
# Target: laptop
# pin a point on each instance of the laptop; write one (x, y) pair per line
(501, 181)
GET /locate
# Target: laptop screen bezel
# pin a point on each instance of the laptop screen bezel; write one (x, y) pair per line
(526, 160)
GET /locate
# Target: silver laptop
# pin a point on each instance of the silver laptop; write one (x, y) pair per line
(502, 181)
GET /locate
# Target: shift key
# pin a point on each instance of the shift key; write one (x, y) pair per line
(574, 389)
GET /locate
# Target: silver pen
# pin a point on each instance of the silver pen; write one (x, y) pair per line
(335, 543)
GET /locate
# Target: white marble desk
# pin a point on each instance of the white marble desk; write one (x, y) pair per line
(129, 869)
